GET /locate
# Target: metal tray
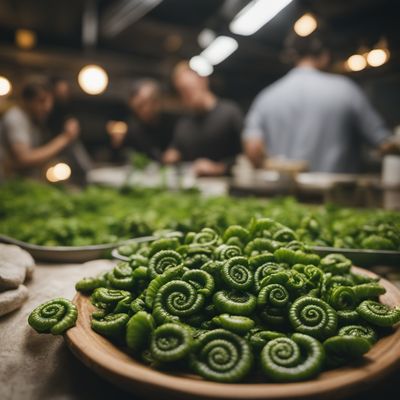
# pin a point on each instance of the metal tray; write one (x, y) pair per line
(115, 254)
(364, 257)
(72, 254)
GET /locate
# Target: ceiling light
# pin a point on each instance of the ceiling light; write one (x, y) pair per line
(255, 15)
(305, 25)
(5, 86)
(93, 79)
(201, 65)
(377, 57)
(59, 172)
(220, 49)
(206, 36)
(25, 38)
(356, 62)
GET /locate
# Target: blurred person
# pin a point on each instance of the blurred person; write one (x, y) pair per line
(209, 135)
(149, 127)
(24, 131)
(312, 115)
(62, 113)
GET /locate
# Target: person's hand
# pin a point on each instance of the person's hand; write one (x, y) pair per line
(206, 167)
(171, 156)
(389, 147)
(71, 129)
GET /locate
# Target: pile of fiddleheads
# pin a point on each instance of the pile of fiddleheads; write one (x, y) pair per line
(220, 305)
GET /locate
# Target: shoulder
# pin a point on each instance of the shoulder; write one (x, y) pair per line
(341, 82)
(270, 91)
(15, 113)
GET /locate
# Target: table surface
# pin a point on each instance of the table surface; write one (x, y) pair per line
(34, 366)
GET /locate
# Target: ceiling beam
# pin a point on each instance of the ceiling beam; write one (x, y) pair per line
(123, 13)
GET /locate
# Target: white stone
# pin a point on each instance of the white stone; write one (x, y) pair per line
(12, 299)
(11, 275)
(17, 256)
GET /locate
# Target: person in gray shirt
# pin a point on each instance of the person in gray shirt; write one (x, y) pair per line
(23, 131)
(314, 116)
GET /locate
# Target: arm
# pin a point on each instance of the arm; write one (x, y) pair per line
(254, 150)
(171, 156)
(253, 135)
(370, 124)
(26, 156)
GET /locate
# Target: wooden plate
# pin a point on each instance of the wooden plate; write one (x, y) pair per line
(118, 367)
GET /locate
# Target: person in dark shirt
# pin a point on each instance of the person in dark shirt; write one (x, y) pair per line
(209, 135)
(149, 128)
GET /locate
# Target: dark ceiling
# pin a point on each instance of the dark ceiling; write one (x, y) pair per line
(169, 33)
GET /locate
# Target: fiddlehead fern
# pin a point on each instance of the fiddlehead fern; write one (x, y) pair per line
(206, 237)
(359, 330)
(108, 298)
(242, 303)
(313, 316)
(225, 252)
(336, 264)
(264, 270)
(201, 280)
(368, 291)
(237, 232)
(234, 323)
(273, 295)
(171, 342)
(163, 260)
(236, 274)
(259, 246)
(221, 356)
(284, 235)
(121, 276)
(176, 299)
(259, 338)
(138, 331)
(260, 259)
(197, 256)
(87, 285)
(378, 314)
(163, 244)
(55, 316)
(287, 360)
(341, 349)
(342, 298)
(111, 325)
(160, 280)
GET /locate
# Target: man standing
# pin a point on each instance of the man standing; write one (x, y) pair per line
(209, 135)
(314, 116)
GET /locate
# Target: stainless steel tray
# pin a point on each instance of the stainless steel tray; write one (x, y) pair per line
(72, 254)
(115, 254)
(364, 257)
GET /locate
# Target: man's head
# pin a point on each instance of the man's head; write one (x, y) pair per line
(61, 89)
(37, 100)
(191, 87)
(308, 49)
(145, 99)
